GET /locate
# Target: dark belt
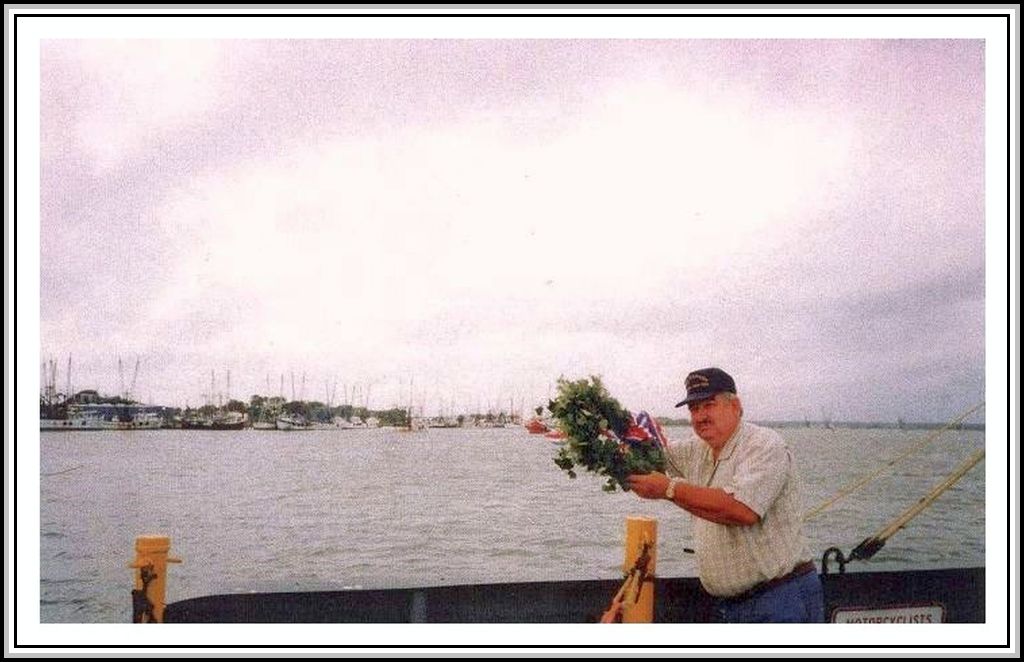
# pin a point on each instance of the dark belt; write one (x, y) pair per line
(799, 570)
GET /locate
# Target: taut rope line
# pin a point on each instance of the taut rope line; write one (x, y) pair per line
(870, 545)
(867, 549)
(848, 489)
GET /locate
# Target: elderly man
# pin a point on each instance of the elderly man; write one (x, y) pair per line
(738, 479)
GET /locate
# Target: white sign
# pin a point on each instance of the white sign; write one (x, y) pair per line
(918, 614)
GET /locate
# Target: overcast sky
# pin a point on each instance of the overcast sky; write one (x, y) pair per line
(467, 220)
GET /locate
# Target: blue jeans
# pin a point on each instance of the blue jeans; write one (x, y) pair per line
(800, 600)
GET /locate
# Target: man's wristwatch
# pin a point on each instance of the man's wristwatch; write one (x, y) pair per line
(670, 491)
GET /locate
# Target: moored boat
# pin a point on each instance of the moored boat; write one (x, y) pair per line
(290, 422)
(224, 420)
(83, 417)
(555, 435)
(537, 426)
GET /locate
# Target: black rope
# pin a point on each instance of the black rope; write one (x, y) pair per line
(641, 566)
(142, 608)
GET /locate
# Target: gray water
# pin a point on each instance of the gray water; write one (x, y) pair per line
(273, 511)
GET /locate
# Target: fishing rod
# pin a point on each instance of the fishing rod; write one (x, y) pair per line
(870, 545)
(850, 488)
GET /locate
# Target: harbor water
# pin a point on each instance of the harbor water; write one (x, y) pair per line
(331, 509)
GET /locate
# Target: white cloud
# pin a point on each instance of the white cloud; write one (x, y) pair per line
(135, 91)
(399, 226)
(622, 228)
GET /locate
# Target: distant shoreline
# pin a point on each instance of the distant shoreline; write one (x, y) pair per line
(853, 425)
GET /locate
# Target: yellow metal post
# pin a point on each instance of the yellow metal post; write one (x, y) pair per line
(151, 574)
(641, 539)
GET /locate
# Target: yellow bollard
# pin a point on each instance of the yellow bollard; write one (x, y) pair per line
(150, 578)
(641, 535)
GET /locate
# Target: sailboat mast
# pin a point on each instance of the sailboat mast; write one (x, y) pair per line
(135, 376)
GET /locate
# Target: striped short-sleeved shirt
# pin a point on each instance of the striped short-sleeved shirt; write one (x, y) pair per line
(756, 467)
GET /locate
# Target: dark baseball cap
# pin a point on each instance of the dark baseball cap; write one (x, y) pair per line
(705, 383)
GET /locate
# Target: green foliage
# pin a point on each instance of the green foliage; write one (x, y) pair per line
(586, 413)
(395, 417)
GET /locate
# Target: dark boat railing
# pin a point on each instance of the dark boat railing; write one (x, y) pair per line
(950, 595)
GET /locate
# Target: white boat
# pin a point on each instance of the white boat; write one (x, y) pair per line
(290, 422)
(105, 417)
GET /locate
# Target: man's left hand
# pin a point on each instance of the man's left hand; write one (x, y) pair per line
(648, 486)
